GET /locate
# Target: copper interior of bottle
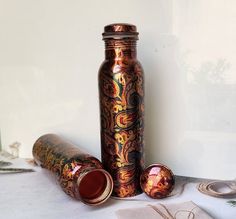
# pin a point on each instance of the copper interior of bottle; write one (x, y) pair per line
(95, 187)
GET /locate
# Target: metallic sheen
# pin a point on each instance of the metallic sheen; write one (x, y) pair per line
(75, 169)
(157, 181)
(121, 92)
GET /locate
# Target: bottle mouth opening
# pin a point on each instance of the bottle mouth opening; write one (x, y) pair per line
(95, 186)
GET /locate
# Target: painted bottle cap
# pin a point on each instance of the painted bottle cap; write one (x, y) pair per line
(119, 31)
(157, 181)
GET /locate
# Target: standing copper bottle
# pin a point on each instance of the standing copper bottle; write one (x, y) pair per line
(121, 92)
(80, 175)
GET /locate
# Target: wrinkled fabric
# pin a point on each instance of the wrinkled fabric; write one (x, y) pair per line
(188, 210)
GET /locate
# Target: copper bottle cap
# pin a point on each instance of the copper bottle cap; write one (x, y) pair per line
(120, 30)
(157, 181)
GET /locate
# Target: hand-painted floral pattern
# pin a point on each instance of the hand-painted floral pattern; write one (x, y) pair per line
(65, 160)
(157, 181)
(122, 111)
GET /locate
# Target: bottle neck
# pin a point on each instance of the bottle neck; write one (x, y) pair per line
(117, 49)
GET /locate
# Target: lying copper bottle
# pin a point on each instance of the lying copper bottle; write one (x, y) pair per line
(121, 92)
(80, 175)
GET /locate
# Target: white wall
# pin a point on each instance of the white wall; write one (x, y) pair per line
(50, 52)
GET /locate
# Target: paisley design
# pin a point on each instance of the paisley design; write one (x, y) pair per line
(121, 93)
(63, 159)
(157, 181)
(110, 89)
(126, 119)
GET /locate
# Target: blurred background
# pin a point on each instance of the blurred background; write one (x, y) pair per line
(50, 53)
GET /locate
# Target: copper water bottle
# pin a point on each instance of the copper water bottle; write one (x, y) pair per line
(121, 93)
(80, 175)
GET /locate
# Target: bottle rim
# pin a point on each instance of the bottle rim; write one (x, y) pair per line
(106, 191)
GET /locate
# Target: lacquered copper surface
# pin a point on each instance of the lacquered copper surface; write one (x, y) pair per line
(118, 30)
(120, 27)
(157, 181)
(75, 169)
(121, 89)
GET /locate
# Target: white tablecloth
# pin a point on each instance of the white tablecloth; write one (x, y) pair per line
(37, 195)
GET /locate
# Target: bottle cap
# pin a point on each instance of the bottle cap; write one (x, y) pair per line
(157, 181)
(120, 30)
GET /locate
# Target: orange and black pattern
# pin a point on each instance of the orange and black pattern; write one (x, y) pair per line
(67, 161)
(122, 116)
(157, 181)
